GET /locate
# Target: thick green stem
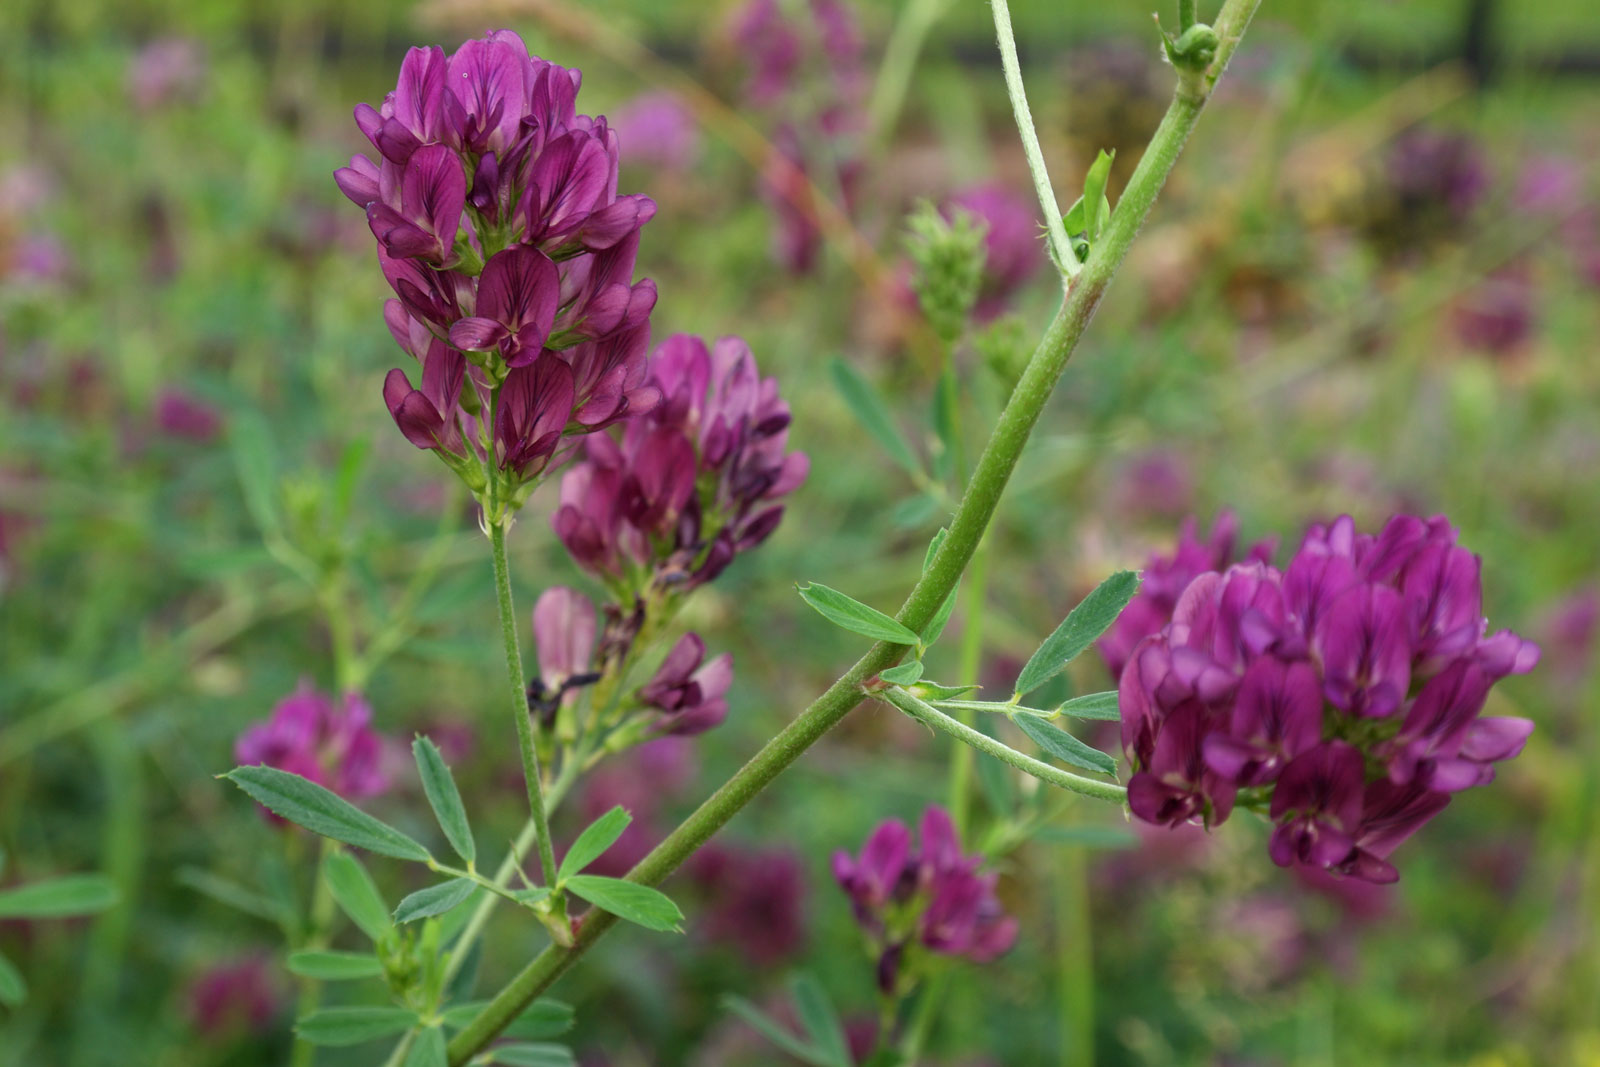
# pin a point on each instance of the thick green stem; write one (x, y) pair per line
(519, 704)
(978, 504)
(1060, 247)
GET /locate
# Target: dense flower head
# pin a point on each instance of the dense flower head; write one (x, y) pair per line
(327, 740)
(511, 254)
(1164, 579)
(911, 895)
(1342, 694)
(689, 485)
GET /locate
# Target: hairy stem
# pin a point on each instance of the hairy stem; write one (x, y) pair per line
(519, 704)
(1060, 247)
(977, 507)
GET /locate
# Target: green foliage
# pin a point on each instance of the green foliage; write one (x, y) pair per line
(1081, 628)
(636, 903)
(849, 614)
(444, 798)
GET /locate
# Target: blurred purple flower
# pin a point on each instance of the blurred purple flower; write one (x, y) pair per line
(1431, 169)
(922, 896)
(511, 254)
(1497, 314)
(166, 70)
(182, 415)
(329, 742)
(1154, 485)
(1345, 693)
(755, 900)
(235, 998)
(658, 130)
(1013, 252)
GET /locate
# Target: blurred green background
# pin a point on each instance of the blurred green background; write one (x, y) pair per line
(1290, 339)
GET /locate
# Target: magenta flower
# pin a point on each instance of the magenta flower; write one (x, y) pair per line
(511, 255)
(1343, 695)
(659, 131)
(181, 414)
(329, 742)
(235, 998)
(564, 632)
(755, 900)
(689, 693)
(691, 484)
(931, 898)
(1164, 579)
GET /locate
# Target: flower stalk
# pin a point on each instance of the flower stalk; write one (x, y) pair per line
(978, 504)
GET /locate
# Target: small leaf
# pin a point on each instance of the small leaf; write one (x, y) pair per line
(330, 966)
(636, 903)
(1091, 618)
(352, 887)
(1102, 706)
(873, 414)
(855, 616)
(59, 898)
(1101, 837)
(543, 1019)
(13, 990)
(1064, 747)
(776, 1032)
(353, 1026)
(530, 1054)
(935, 691)
(904, 674)
(444, 798)
(1094, 192)
(307, 804)
(592, 843)
(529, 897)
(434, 900)
(935, 627)
(820, 1020)
(428, 1050)
(233, 895)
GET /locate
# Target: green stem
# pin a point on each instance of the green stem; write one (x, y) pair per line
(1075, 954)
(519, 704)
(1060, 247)
(961, 759)
(1186, 14)
(322, 904)
(937, 719)
(899, 61)
(977, 507)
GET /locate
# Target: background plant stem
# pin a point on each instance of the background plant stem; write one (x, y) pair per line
(994, 468)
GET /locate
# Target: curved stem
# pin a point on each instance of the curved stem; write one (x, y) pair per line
(519, 703)
(978, 504)
(1060, 247)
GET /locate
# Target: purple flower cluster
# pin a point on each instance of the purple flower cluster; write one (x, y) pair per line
(687, 695)
(499, 227)
(690, 484)
(329, 741)
(1164, 579)
(909, 898)
(1343, 694)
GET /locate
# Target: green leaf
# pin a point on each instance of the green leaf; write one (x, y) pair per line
(1101, 837)
(855, 616)
(76, 894)
(543, 1019)
(253, 456)
(353, 1026)
(1091, 618)
(935, 691)
(529, 897)
(1064, 747)
(592, 843)
(13, 990)
(428, 1050)
(636, 903)
(904, 674)
(323, 812)
(820, 1020)
(330, 966)
(352, 887)
(434, 900)
(1094, 192)
(234, 895)
(530, 1054)
(776, 1032)
(444, 798)
(873, 414)
(1102, 706)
